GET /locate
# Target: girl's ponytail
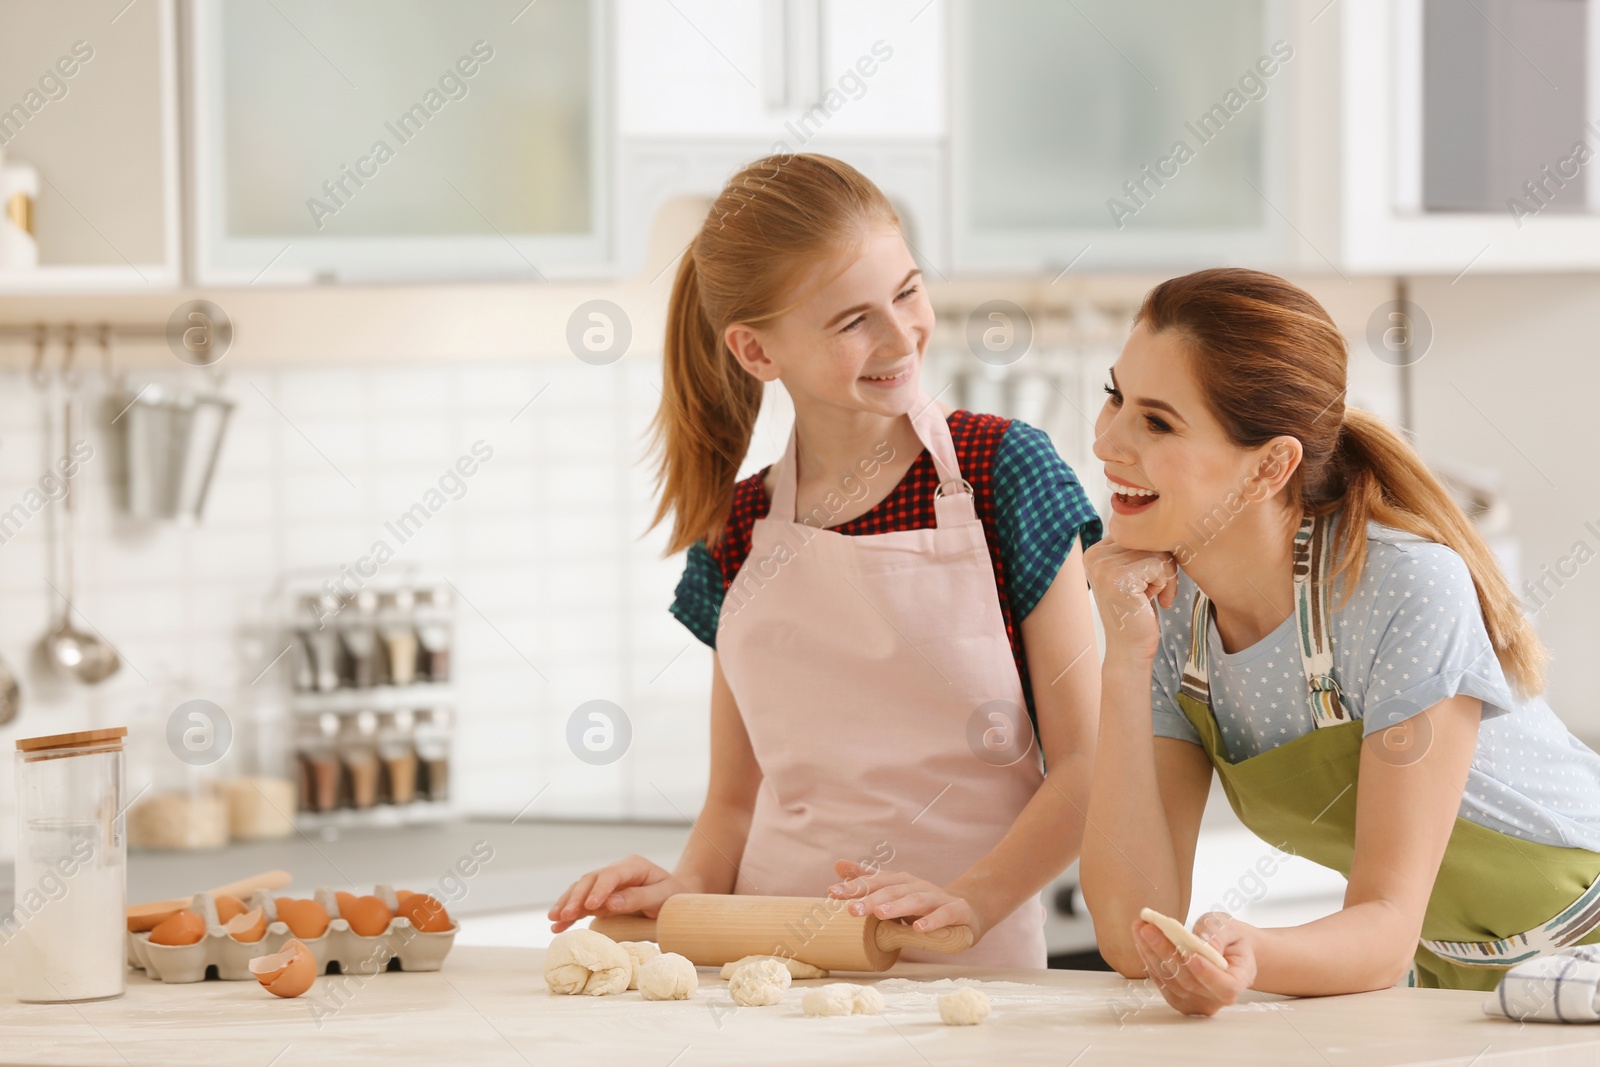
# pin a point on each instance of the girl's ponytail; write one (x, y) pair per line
(708, 409)
(774, 220)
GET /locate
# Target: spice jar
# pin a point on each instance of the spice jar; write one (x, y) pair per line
(358, 751)
(320, 762)
(359, 634)
(71, 868)
(432, 739)
(396, 624)
(435, 632)
(399, 756)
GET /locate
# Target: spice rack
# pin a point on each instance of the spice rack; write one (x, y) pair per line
(372, 701)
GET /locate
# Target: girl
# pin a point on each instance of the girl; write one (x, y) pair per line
(1331, 629)
(883, 603)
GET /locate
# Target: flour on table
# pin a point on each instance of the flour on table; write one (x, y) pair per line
(796, 968)
(759, 983)
(587, 962)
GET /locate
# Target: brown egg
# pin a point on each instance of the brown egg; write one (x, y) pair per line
(287, 973)
(367, 916)
(345, 900)
(181, 928)
(425, 913)
(249, 926)
(228, 907)
(402, 895)
(305, 918)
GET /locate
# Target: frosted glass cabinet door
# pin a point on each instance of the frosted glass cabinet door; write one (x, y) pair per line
(1146, 129)
(391, 139)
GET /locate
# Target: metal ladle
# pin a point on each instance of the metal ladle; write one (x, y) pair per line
(79, 654)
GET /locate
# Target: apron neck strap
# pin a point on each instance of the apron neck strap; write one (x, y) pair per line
(1313, 566)
(928, 421)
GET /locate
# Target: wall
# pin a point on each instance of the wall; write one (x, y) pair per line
(1510, 383)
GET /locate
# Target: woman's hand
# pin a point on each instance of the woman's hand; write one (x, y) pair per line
(1196, 986)
(1124, 580)
(897, 894)
(629, 886)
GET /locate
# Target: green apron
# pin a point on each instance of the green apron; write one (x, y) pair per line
(1497, 900)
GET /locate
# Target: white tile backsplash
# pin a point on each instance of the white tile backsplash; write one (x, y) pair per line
(563, 600)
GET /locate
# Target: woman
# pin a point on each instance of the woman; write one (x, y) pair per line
(1334, 639)
(883, 603)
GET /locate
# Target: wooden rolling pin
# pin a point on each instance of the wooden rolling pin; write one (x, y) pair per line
(143, 917)
(713, 929)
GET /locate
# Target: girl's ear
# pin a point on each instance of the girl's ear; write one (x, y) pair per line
(746, 345)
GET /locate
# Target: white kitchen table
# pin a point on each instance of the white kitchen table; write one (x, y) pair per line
(491, 1006)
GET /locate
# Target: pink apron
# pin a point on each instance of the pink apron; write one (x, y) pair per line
(865, 669)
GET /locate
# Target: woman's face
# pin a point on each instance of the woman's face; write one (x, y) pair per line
(1177, 477)
(856, 338)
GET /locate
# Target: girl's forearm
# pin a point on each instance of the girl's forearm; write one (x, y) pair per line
(710, 859)
(1043, 841)
(1359, 948)
(1128, 857)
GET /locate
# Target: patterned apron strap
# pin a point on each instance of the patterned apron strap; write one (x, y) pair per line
(1196, 682)
(1313, 565)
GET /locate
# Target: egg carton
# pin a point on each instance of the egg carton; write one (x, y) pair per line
(339, 945)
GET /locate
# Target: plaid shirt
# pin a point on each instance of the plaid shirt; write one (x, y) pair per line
(1030, 502)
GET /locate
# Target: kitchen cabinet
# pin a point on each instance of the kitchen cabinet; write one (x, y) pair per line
(781, 70)
(1469, 135)
(88, 99)
(1131, 133)
(399, 140)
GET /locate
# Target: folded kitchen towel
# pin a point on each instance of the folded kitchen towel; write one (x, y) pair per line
(1562, 987)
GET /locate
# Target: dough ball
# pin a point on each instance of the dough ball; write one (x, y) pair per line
(668, 977)
(964, 1007)
(797, 970)
(868, 1001)
(838, 999)
(641, 952)
(842, 998)
(759, 983)
(583, 961)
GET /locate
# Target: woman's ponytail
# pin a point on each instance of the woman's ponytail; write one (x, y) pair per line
(771, 223)
(1386, 481)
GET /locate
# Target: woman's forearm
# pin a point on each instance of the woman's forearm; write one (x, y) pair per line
(1042, 842)
(1359, 948)
(710, 859)
(1128, 856)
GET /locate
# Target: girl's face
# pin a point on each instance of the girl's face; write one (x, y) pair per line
(857, 336)
(1177, 478)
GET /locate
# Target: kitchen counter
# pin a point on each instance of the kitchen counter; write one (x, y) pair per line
(530, 863)
(491, 1006)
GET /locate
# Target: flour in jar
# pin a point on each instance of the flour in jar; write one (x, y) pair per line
(69, 942)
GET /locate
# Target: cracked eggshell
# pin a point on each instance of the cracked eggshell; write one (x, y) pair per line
(227, 907)
(288, 973)
(249, 926)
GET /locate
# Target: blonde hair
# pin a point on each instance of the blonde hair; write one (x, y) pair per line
(1270, 363)
(774, 220)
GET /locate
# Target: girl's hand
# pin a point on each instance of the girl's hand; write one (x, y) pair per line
(1196, 986)
(896, 894)
(1124, 580)
(629, 886)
